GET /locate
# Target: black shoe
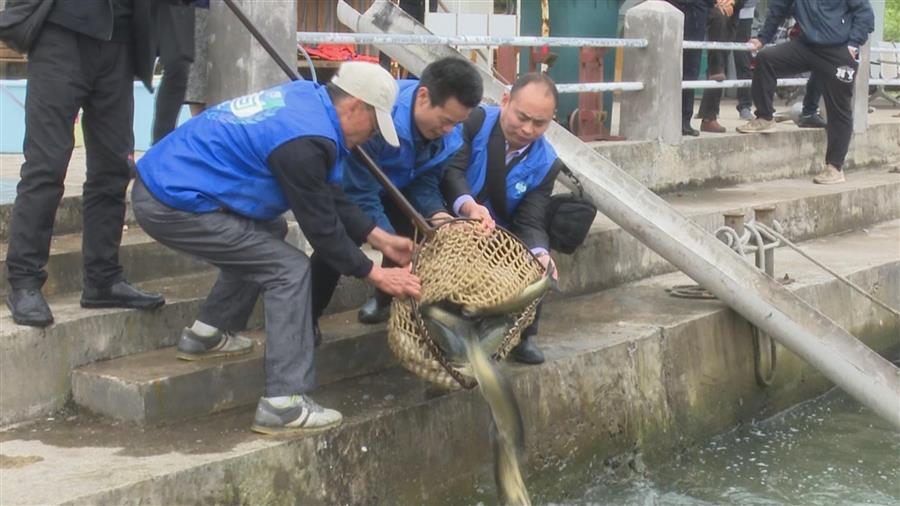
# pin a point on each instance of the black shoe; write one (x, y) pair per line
(814, 120)
(374, 311)
(687, 129)
(317, 335)
(527, 352)
(121, 294)
(28, 307)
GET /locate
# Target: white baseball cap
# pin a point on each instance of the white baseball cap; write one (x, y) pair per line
(374, 86)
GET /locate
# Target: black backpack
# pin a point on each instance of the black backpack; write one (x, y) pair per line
(569, 217)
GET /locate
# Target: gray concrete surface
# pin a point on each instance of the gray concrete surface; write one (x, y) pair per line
(628, 369)
(611, 257)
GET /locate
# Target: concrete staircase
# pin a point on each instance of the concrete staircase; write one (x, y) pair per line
(627, 364)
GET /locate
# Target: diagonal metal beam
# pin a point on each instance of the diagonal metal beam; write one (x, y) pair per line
(801, 328)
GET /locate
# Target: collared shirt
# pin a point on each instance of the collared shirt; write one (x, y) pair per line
(512, 155)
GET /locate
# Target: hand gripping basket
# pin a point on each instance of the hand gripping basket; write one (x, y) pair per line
(464, 265)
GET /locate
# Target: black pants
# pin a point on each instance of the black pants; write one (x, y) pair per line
(68, 71)
(325, 279)
(695, 19)
(726, 29)
(814, 90)
(835, 69)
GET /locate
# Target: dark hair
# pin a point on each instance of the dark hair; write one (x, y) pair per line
(539, 78)
(452, 77)
(336, 93)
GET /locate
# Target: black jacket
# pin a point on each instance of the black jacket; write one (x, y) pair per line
(529, 223)
(823, 22)
(21, 21)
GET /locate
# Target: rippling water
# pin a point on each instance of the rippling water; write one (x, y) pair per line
(829, 451)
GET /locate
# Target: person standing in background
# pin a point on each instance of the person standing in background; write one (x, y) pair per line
(175, 24)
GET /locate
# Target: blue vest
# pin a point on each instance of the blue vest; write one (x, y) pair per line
(219, 159)
(399, 164)
(526, 175)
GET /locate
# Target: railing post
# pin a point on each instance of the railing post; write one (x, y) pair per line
(655, 112)
(238, 64)
(861, 92)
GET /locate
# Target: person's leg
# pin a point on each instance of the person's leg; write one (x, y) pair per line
(773, 62)
(742, 66)
(55, 90)
(721, 29)
(527, 351)
(814, 88)
(695, 19)
(837, 70)
(377, 308)
(176, 67)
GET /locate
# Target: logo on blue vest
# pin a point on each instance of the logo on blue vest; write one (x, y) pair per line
(521, 186)
(250, 108)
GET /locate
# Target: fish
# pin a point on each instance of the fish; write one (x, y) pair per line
(464, 340)
(518, 302)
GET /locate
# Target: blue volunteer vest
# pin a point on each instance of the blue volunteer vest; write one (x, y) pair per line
(399, 164)
(526, 175)
(218, 159)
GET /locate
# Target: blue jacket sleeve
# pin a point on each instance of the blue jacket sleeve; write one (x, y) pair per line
(778, 12)
(863, 21)
(362, 188)
(424, 192)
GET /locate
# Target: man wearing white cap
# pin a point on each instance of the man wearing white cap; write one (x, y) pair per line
(217, 187)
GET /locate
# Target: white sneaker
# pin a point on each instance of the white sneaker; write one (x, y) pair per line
(299, 414)
(830, 175)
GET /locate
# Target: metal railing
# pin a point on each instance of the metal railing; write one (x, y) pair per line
(463, 40)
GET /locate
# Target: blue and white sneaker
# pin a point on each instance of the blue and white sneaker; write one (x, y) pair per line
(299, 414)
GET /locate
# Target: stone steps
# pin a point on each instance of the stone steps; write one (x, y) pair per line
(629, 369)
(808, 210)
(609, 258)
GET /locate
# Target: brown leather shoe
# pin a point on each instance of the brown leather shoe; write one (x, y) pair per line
(711, 125)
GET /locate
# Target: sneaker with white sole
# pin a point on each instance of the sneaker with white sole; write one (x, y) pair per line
(830, 175)
(192, 346)
(299, 414)
(757, 126)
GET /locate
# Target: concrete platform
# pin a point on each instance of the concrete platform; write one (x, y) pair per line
(609, 258)
(151, 387)
(629, 369)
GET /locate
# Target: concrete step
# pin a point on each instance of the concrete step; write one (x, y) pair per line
(157, 396)
(715, 160)
(142, 258)
(612, 256)
(629, 369)
(69, 217)
(609, 258)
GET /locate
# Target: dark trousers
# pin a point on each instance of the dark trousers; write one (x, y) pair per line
(726, 29)
(68, 71)
(251, 256)
(835, 68)
(325, 279)
(172, 22)
(695, 19)
(814, 90)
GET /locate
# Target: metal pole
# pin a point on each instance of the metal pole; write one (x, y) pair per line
(377, 173)
(430, 39)
(801, 328)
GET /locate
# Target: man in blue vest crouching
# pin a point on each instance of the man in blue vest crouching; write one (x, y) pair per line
(504, 174)
(427, 114)
(217, 187)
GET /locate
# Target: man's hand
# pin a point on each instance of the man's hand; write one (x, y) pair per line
(756, 43)
(395, 281)
(854, 52)
(726, 7)
(546, 262)
(439, 218)
(397, 248)
(476, 211)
